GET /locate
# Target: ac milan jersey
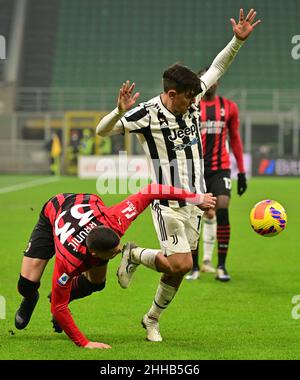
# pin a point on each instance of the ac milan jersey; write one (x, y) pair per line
(73, 216)
(172, 145)
(219, 120)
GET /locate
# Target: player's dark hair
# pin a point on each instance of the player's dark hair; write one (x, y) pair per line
(102, 238)
(181, 79)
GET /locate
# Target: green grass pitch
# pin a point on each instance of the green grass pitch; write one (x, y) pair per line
(247, 318)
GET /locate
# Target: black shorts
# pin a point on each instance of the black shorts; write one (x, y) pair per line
(218, 182)
(41, 243)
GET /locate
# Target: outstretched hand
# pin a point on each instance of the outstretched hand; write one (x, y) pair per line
(92, 345)
(244, 28)
(126, 100)
(208, 202)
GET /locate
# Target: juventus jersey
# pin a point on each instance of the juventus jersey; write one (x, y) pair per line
(172, 145)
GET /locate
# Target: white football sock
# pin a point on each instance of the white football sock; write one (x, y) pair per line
(145, 256)
(209, 237)
(164, 295)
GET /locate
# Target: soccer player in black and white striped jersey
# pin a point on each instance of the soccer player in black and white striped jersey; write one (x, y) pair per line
(167, 127)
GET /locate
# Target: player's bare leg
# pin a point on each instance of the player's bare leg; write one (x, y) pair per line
(29, 282)
(133, 256)
(33, 269)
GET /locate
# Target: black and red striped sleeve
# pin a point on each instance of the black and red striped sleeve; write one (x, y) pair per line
(59, 305)
(235, 138)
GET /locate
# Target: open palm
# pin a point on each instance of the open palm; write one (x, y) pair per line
(244, 28)
(126, 99)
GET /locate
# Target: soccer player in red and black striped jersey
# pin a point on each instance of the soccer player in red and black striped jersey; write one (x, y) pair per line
(219, 122)
(83, 234)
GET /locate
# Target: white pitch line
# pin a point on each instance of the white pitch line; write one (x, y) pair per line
(27, 185)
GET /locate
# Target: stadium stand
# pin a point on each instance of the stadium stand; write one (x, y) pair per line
(38, 48)
(6, 10)
(70, 45)
(75, 55)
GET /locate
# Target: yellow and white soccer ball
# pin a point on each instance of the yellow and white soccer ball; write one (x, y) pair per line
(268, 218)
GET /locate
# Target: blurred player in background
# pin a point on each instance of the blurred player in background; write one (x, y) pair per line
(83, 234)
(167, 127)
(87, 143)
(219, 119)
(54, 147)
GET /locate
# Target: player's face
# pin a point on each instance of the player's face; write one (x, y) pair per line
(182, 102)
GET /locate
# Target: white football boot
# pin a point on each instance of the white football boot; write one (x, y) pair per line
(152, 327)
(193, 275)
(222, 275)
(207, 267)
(127, 267)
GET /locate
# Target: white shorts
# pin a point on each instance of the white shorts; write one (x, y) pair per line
(178, 229)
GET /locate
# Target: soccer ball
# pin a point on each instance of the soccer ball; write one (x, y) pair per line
(268, 218)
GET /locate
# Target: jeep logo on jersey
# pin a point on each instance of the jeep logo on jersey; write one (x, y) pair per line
(182, 133)
(64, 232)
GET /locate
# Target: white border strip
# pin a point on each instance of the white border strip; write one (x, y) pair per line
(27, 185)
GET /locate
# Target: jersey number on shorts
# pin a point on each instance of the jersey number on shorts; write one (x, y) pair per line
(227, 183)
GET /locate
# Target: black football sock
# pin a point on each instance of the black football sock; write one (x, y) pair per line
(195, 256)
(82, 287)
(223, 235)
(27, 288)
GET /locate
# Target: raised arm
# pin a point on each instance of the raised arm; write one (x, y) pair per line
(111, 124)
(223, 60)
